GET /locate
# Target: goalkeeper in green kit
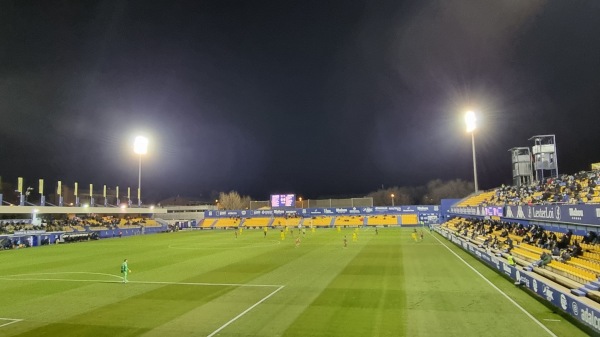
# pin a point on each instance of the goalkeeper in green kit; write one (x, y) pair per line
(125, 270)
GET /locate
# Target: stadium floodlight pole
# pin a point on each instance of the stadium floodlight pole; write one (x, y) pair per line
(140, 147)
(392, 199)
(471, 126)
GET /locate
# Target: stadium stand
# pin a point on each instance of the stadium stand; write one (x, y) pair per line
(227, 223)
(257, 222)
(382, 220)
(151, 223)
(349, 221)
(570, 266)
(287, 222)
(580, 188)
(409, 219)
(319, 221)
(477, 199)
(207, 223)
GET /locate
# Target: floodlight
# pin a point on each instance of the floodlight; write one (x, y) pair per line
(140, 145)
(470, 120)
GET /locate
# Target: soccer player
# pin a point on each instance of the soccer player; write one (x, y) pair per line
(125, 270)
(414, 235)
(345, 241)
(421, 232)
(282, 235)
(354, 237)
(265, 232)
(297, 242)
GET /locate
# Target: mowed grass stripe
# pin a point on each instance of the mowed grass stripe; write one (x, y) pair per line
(382, 285)
(75, 298)
(308, 270)
(556, 323)
(157, 307)
(363, 299)
(445, 297)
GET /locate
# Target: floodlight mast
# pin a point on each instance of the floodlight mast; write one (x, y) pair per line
(470, 121)
(140, 147)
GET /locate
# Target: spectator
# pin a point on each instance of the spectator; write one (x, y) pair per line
(564, 255)
(589, 237)
(545, 259)
(509, 243)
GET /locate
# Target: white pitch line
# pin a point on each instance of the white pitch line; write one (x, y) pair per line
(64, 272)
(244, 312)
(14, 320)
(11, 278)
(498, 289)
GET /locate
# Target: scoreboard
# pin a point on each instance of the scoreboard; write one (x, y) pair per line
(283, 200)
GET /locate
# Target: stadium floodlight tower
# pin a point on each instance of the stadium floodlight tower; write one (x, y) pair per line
(140, 147)
(470, 120)
(545, 160)
(521, 166)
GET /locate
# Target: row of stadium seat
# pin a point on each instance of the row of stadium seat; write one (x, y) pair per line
(581, 270)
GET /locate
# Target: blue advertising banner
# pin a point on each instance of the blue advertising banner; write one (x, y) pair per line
(567, 302)
(578, 214)
(330, 211)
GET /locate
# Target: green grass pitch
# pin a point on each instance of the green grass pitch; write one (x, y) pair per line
(210, 283)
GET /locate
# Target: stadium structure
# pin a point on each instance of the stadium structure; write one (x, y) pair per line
(511, 229)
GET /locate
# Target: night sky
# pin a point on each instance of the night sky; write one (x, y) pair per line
(318, 98)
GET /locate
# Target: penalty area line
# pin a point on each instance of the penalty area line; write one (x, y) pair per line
(498, 289)
(12, 320)
(244, 312)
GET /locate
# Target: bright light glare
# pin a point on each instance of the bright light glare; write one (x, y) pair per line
(470, 121)
(140, 145)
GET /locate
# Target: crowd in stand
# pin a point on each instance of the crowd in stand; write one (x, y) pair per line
(561, 248)
(59, 225)
(8, 226)
(572, 189)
